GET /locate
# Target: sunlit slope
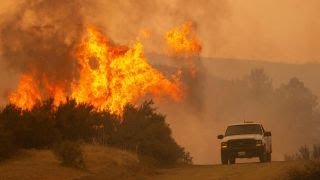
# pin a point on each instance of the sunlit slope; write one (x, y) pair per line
(100, 162)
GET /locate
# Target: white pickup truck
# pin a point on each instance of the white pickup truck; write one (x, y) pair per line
(245, 140)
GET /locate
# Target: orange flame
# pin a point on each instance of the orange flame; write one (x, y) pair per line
(55, 91)
(182, 40)
(27, 93)
(110, 77)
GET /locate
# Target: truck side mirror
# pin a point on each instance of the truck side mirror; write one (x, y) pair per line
(267, 133)
(220, 136)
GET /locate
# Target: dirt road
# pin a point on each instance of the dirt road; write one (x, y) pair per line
(247, 171)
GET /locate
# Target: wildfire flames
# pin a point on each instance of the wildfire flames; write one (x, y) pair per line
(182, 40)
(27, 94)
(110, 76)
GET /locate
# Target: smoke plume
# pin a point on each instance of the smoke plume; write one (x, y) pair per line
(39, 37)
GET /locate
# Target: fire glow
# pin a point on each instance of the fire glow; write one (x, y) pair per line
(182, 40)
(110, 76)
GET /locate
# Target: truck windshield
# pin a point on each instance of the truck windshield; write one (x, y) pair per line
(243, 129)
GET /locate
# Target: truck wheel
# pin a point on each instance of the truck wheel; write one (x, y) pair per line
(268, 159)
(224, 157)
(263, 157)
(232, 160)
(224, 160)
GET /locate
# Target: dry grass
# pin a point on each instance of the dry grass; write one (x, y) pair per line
(243, 171)
(101, 163)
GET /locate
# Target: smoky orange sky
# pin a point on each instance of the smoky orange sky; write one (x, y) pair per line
(271, 30)
(283, 31)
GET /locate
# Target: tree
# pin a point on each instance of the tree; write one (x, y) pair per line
(294, 111)
(36, 128)
(9, 118)
(297, 101)
(259, 84)
(73, 121)
(145, 131)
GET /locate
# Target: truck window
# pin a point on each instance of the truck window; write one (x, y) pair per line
(243, 129)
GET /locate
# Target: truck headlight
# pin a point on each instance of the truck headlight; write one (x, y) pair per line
(224, 144)
(259, 143)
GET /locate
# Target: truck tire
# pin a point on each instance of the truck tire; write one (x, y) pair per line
(268, 159)
(232, 160)
(263, 157)
(224, 160)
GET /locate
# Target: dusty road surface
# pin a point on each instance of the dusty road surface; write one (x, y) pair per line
(247, 171)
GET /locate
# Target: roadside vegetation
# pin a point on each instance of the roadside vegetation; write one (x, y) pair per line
(141, 130)
(309, 166)
(304, 153)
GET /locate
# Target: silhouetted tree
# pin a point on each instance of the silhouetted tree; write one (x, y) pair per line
(36, 129)
(73, 121)
(145, 131)
(9, 118)
(259, 83)
(296, 101)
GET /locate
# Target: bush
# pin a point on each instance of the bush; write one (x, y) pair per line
(304, 152)
(7, 146)
(141, 129)
(288, 157)
(309, 171)
(316, 152)
(8, 123)
(70, 154)
(73, 121)
(145, 131)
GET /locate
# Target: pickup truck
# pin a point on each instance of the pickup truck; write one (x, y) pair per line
(245, 140)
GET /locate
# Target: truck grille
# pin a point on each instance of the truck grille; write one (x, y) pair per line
(242, 143)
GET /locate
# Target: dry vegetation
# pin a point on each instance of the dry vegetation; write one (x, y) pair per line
(110, 163)
(100, 162)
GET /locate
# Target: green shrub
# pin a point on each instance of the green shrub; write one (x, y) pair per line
(310, 171)
(70, 154)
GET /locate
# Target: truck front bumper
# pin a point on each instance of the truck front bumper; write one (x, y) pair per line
(247, 152)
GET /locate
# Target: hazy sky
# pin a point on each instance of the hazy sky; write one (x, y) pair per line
(283, 31)
(275, 30)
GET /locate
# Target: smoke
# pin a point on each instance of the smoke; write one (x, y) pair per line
(40, 36)
(285, 31)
